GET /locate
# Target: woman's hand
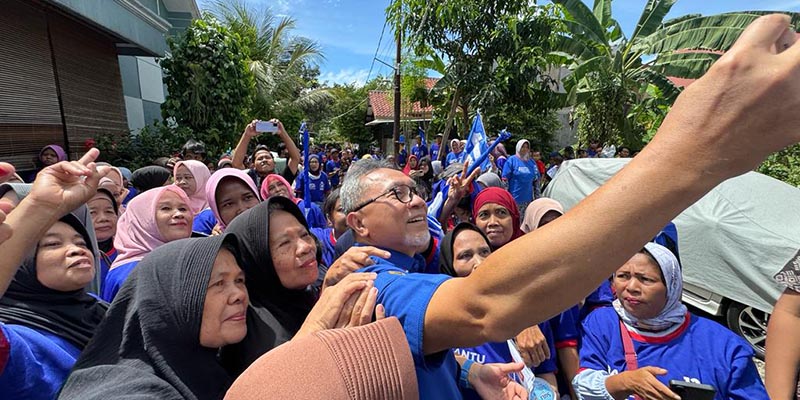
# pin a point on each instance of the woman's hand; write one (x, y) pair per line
(64, 186)
(350, 303)
(641, 382)
(352, 260)
(533, 347)
(492, 381)
(461, 185)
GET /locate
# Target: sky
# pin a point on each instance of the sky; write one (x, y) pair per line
(349, 31)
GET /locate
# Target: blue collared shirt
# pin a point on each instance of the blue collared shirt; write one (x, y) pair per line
(405, 293)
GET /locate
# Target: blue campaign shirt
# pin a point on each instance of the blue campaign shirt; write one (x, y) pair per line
(330, 168)
(434, 152)
(603, 296)
(405, 295)
(520, 176)
(419, 151)
(500, 162)
(402, 156)
(498, 352)
(316, 186)
(114, 280)
(328, 242)
(314, 215)
(105, 264)
(204, 222)
(700, 351)
(33, 363)
(453, 158)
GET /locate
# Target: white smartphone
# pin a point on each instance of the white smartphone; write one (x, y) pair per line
(266, 126)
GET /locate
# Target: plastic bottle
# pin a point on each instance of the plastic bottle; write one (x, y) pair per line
(541, 390)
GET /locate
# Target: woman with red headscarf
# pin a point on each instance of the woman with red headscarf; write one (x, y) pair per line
(496, 214)
(411, 165)
(276, 185)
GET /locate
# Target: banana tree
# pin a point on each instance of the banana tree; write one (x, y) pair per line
(599, 55)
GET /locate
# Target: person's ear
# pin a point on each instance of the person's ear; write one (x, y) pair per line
(355, 222)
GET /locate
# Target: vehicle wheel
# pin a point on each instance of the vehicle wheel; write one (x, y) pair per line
(749, 323)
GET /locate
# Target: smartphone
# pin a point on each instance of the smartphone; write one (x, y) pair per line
(266, 126)
(692, 391)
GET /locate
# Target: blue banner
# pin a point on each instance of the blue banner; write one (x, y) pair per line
(477, 143)
(306, 180)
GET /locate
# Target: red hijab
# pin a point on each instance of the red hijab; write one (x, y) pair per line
(407, 170)
(500, 197)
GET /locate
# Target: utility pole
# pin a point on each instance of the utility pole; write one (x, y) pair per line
(397, 98)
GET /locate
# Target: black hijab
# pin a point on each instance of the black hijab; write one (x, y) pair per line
(153, 176)
(108, 244)
(73, 315)
(275, 313)
(149, 344)
(446, 247)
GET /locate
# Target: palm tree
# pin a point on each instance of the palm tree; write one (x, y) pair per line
(613, 75)
(278, 60)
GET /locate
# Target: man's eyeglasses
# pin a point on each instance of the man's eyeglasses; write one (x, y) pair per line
(403, 193)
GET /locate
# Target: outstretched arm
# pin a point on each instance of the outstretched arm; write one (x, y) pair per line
(742, 110)
(58, 189)
(240, 152)
(294, 152)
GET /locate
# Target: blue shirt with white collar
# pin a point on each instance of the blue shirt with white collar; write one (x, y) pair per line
(405, 293)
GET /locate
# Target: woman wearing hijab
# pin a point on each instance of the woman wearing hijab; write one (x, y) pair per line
(150, 177)
(153, 218)
(521, 173)
(229, 192)
(105, 212)
(162, 335)
(462, 251)
(495, 213)
(662, 339)
(46, 316)
(127, 175)
(423, 176)
(500, 156)
(318, 184)
(115, 182)
(192, 176)
(282, 263)
(276, 185)
(48, 156)
(411, 165)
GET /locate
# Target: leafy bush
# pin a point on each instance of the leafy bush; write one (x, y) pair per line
(783, 165)
(136, 150)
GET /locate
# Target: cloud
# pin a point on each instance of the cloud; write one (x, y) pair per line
(348, 75)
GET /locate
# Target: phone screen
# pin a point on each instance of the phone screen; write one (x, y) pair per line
(266, 126)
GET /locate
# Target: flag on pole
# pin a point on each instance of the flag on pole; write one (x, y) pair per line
(422, 141)
(306, 153)
(477, 143)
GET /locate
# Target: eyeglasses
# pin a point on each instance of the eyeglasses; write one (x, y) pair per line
(403, 193)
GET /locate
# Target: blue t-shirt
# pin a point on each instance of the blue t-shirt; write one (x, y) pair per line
(328, 242)
(402, 156)
(500, 162)
(699, 351)
(434, 152)
(114, 280)
(453, 158)
(497, 352)
(314, 215)
(204, 222)
(406, 295)
(520, 176)
(603, 296)
(316, 186)
(105, 265)
(33, 363)
(331, 167)
(419, 151)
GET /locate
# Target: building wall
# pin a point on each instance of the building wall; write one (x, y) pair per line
(143, 87)
(59, 83)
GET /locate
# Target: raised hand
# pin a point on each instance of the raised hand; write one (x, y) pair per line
(352, 260)
(492, 381)
(745, 106)
(250, 130)
(64, 186)
(461, 185)
(533, 347)
(343, 305)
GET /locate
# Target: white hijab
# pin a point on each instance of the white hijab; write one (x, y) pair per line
(519, 147)
(674, 312)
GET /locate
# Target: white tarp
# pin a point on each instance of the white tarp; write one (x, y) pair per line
(732, 241)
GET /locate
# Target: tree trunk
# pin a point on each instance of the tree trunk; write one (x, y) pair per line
(448, 125)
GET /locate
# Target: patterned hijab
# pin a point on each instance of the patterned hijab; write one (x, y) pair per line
(674, 312)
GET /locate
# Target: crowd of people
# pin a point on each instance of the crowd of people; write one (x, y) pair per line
(370, 277)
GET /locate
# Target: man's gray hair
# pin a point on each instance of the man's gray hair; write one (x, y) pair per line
(352, 188)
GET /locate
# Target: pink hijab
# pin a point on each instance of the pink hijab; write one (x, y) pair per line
(137, 231)
(216, 178)
(275, 177)
(198, 200)
(536, 210)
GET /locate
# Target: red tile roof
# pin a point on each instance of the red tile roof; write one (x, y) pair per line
(381, 104)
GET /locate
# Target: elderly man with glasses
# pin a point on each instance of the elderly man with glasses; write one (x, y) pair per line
(744, 108)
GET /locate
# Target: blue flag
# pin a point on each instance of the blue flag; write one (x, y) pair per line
(477, 144)
(422, 141)
(306, 153)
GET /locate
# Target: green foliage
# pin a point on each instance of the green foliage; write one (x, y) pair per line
(610, 72)
(210, 88)
(783, 165)
(538, 128)
(349, 110)
(136, 150)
